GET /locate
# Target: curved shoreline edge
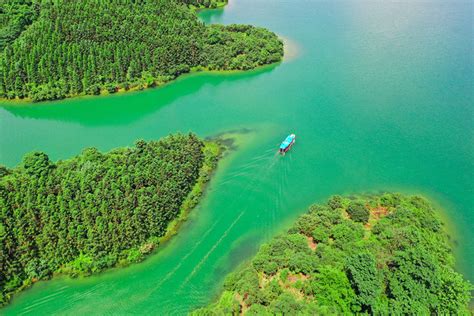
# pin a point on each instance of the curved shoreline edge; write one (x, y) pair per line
(156, 84)
(213, 151)
(4, 102)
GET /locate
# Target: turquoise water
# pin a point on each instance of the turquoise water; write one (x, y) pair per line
(380, 95)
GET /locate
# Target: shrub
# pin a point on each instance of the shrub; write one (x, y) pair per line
(358, 212)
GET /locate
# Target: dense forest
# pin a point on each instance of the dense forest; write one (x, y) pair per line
(96, 210)
(378, 255)
(103, 46)
(205, 4)
(15, 16)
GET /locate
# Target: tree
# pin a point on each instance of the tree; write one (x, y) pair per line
(286, 304)
(331, 287)
(363, 276)
(358, 212)
(36, 164)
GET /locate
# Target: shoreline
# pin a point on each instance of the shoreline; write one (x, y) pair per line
(213, 151)
(4, 102)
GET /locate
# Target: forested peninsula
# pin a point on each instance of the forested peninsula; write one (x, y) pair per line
(97, 210)
(53, 49)
(385, 255)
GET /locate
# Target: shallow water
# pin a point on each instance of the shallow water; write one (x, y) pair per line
(379, 95)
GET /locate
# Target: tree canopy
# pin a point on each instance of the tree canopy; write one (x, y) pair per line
(205, 4)
(93, 46)
(15, 16)
(329, 263)
(96, 210)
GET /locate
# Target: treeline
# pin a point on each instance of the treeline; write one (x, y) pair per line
(205, 4)
(96, 210)
(377, 255)
(95, 46)
(240, 47)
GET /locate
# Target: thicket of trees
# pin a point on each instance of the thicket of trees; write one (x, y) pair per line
(397, 263)
(15, 16)
(96, 210)
(240, 47)
(205, 4)
(93, 46)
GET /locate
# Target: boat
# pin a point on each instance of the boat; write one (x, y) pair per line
(287, 143)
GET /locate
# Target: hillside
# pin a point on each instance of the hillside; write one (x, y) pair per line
(94, 46)
(96, 210)
(382, 255)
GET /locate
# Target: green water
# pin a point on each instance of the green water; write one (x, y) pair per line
(379, 95)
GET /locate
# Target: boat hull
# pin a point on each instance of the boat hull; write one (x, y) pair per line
(288, 147)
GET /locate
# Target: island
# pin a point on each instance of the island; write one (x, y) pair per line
(384, 254)
(96, 210)
(57, 49)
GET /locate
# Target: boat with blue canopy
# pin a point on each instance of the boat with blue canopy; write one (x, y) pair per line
(287, 143)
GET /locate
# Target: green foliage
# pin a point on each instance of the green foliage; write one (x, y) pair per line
(15, 16)
(403, 265)
(240, 47)
(286, 304)
(227, 305)
(331, 287)
(320, 234)
(36, 164)
(335, 202)
(81, 265)
(3, 171)
(362, 273)
(95, 210)
(358, 212)
(346, 234)
(205, 4)
(93, 46)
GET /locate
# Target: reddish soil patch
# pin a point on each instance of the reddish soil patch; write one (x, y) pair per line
(243, 305)
(311, 243)
(379, 212)
(296, 277)
(376, 213)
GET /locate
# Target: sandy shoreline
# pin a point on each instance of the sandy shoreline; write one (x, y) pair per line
(292, 49)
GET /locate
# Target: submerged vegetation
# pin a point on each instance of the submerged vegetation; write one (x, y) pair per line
(382, 255)
(96, 210)
(97, 46)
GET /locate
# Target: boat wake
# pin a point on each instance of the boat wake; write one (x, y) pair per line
(204, 259)
(178, 266)
(269, 161)
(258, 171)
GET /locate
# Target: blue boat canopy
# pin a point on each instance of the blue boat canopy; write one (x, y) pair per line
(289, 139)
